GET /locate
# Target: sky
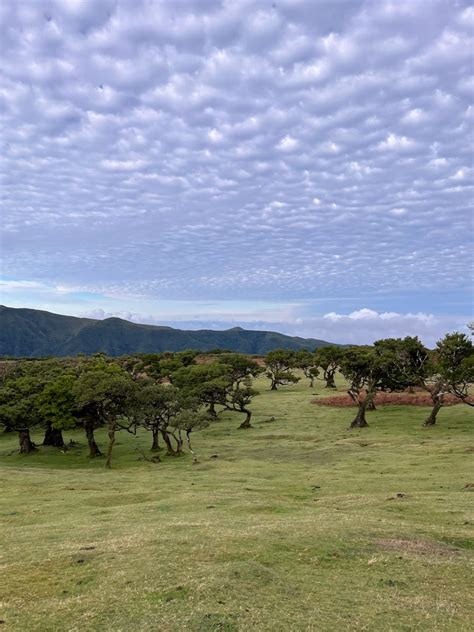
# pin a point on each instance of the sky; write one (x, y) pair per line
(304, 166)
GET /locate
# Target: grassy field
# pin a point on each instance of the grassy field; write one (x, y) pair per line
(297, 524)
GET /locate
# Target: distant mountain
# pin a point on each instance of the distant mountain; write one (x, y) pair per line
(34, 333)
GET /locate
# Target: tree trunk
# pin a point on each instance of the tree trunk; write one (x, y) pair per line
(188, 439)
(179, 443)
(93, 447)
(54, 437)
(431, 419)
(246, 423)
(155, 447)
(212, 410)
(359, 420)
(169, 448)
(111, 432)
(353, 394)
(274, 385)
(370, 402)
(329, 377)
(26, 445)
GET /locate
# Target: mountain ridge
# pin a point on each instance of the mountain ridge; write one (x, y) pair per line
(33, 333)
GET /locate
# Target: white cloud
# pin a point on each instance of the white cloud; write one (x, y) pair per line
(287, 144)
(238, 149)
(123, 165)
(415, 116)
(396, 143)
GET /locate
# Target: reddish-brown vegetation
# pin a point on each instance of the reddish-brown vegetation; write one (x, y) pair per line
(419, 398)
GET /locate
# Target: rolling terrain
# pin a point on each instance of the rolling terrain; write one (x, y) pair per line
(295, 525)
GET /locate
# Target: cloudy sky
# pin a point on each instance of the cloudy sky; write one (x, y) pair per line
(299, 165)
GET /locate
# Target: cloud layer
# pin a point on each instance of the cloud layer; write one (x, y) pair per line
(251, 150)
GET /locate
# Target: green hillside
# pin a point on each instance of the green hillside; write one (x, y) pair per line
(35, 333)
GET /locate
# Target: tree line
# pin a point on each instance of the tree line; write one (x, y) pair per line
(390, 364)
(171, 396)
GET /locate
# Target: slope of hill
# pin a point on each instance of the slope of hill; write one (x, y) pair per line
(35, 333)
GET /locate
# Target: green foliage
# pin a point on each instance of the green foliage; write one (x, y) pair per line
(328, 358)
(57, 402)
(239, 366)
(278, 364)
(308, 363)
(454, 364)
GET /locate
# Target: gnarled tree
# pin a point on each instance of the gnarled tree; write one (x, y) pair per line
(328, 358)
(279, 365)
(308, 363)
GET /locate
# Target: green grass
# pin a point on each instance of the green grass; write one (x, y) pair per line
(298, 524)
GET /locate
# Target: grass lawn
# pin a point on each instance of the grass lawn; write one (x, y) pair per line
(297, 524)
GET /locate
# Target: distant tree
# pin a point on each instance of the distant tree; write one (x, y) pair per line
(307, 362)
(20, 407)
(58, 408)
(328, 359)
(239, 366)
(412, 362)
(357, 365)
(225, 383)
(162, 366)
(389, 364)
(156, 406)
(279, 364)
(204, 382)
(452, 372)
(188, 420)
(105, 394)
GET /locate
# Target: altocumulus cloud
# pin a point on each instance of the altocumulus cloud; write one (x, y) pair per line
(294, 150)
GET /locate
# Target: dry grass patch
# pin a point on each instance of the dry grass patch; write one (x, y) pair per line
(416, 547)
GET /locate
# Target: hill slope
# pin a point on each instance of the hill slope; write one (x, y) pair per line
(35, 333)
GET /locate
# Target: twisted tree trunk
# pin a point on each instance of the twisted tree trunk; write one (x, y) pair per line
(212, 410)
(93, 447)
(246, 423)
(359, 421)
(170, 451)
(54, 437)
(431, 419)
(370, 401)
(111, 432)
(155, 447)
(26, 444)
(329, 377)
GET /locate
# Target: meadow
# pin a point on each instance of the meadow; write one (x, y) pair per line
(295, 524)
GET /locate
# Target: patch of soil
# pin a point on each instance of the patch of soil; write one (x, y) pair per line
(418, 547)
(390, 399)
